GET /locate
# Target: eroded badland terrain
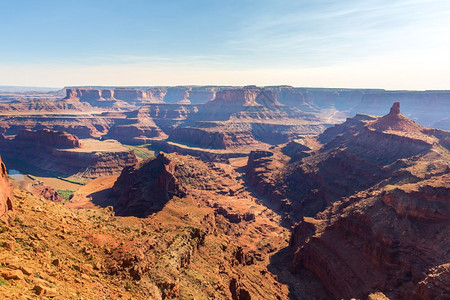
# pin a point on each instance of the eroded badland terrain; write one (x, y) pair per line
(224, 193)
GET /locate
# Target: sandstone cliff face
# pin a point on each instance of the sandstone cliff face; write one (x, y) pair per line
(246, 103)
(101, 98)
(215, 136)
(130, 95)
(49, 138)
(86, 164)
(5, 192)
(92, 96)
(83, 127)
(63, 154)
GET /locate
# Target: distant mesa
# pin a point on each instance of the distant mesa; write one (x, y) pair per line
(137, 96)
(249, 96)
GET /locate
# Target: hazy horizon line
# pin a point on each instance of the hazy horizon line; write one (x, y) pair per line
(93, 86)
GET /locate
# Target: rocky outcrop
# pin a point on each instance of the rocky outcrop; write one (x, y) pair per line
(5, 192)
(48, 138)
(39, 189)
(424, 202)
(238, 290)
(145, 188)
(234, 217)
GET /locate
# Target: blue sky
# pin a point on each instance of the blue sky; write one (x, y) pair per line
(402, 44)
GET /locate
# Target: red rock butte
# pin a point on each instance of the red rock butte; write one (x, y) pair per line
(396, 121)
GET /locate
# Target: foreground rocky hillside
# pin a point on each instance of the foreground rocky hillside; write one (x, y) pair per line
(214, 240)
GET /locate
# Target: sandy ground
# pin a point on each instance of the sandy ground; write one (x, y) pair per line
(82, 198)
(91, 145)
(59, 184)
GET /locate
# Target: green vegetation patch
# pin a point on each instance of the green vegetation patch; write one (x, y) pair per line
(66, 194)
(141, 152)
(70, 180)
(32, 177)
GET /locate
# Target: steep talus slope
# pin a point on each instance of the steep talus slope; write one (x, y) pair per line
(389, 241)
